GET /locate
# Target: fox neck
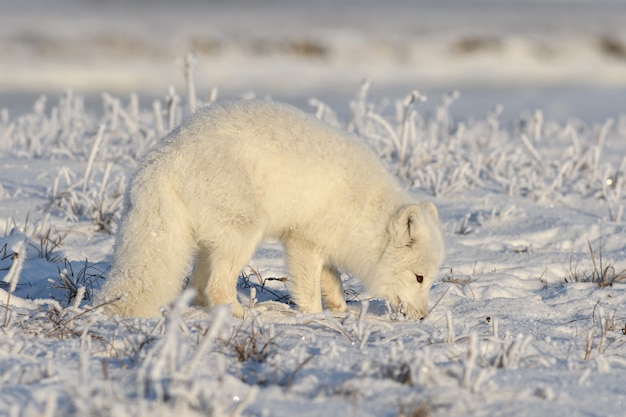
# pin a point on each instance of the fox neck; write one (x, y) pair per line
(365, 245)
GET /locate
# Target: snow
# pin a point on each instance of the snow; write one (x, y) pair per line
(528, 315)
(518, 322)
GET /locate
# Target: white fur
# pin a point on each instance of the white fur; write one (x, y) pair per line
(235, 174)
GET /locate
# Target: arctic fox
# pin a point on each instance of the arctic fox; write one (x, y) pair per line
(237, 173)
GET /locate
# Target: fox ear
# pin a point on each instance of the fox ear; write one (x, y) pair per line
(405, 224)
(431, 209)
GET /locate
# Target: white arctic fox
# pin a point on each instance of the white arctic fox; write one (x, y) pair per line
(237, 173)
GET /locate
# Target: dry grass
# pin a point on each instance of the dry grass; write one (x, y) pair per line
(602, 274)
(463, 281)
(48, 246)
(254, 345)
(420, 410)
(70, 281)
(272, 294)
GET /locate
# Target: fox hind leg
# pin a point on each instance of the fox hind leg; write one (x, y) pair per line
(152, 255)
(217, 269)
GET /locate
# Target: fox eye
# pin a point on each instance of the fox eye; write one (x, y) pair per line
(419, 278)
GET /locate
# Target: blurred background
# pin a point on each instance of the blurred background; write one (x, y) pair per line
(567, 57)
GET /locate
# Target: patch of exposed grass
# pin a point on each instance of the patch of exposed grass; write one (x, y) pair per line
(602, 274)
(415, 410)
(71, 281)
(48, 246)
(245, 281)
(462, 281)
(253, 345)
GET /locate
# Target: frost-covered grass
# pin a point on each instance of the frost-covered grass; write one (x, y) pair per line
(527, 318)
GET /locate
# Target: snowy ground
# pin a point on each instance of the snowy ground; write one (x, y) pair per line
(522, 321)
(528, 317)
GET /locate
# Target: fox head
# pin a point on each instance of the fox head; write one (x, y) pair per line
(411, 259)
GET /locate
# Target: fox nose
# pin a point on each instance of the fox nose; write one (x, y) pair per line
(417, 315)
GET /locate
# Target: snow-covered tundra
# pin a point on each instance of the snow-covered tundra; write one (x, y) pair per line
(237, 173)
